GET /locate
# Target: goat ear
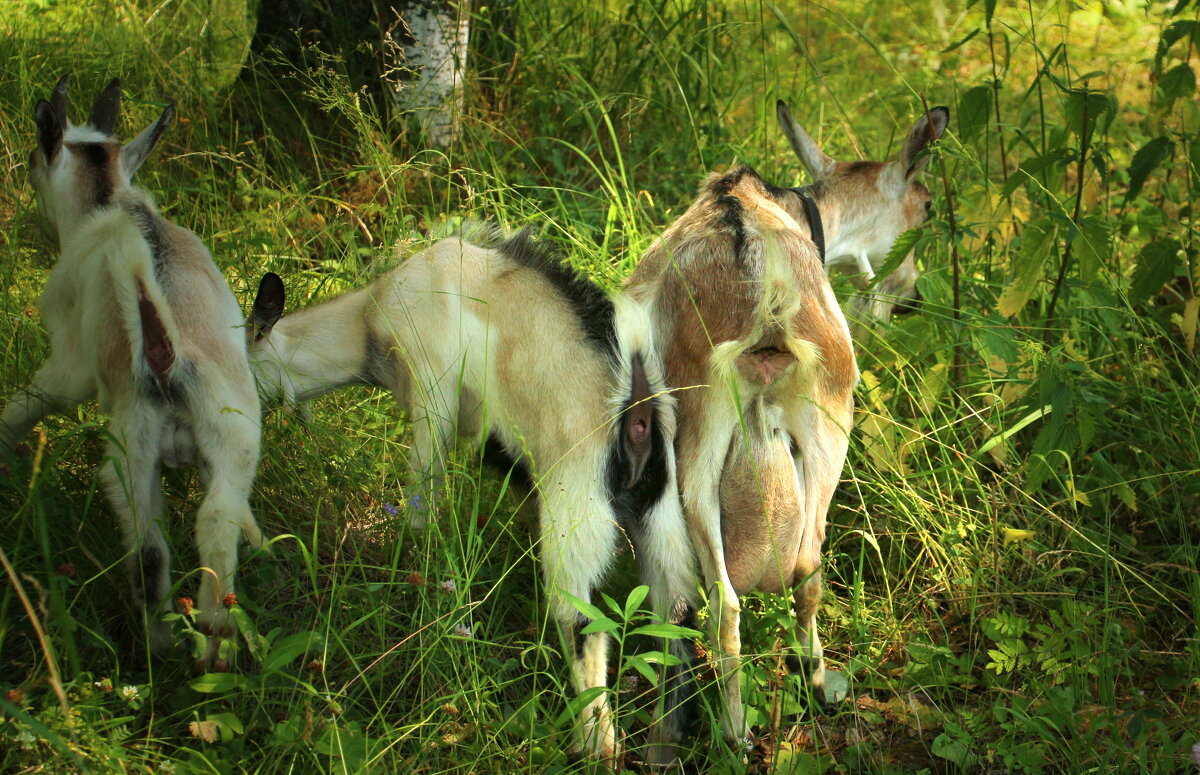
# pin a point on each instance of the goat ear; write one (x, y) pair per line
(929, 127)
(104, 111)
(137, 149)
(50, 131)
(268, 305)
(58, 101)
(812, 157)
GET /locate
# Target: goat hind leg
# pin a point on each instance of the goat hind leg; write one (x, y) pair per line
(576, 547)
(131, 479)
(228, 443)
(661, 543)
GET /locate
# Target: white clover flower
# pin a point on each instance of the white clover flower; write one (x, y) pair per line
(463, 631)
(448, 585)
(130, 693)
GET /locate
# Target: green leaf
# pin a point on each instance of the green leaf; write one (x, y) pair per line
(899, 250)
(632, 603)
(1030, 167)
(643, 667)
(1092, 248)
(1179, 81)
(665, 631)
(602, 624)
(959, 44)
(1156, 264)
(1176, 31)
(1145, 161)
(576, 704)
(228, 725)
(216, 683)
(1035, 247)
(974, 110)
(953, 747)
(289, 648)
(1098, 105)
(587, 609)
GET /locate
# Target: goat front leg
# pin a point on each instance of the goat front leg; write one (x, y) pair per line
(863, 262)
(435, 409)
(60, 384)
(131, 479)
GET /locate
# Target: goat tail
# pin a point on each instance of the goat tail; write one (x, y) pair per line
(644, 409)
(771, 343)
(147, 315)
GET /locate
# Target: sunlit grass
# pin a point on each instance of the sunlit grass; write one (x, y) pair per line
(1011, 561)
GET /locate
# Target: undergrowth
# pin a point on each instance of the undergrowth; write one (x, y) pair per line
(1011, 565)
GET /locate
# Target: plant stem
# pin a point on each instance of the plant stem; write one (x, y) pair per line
(1066, 259)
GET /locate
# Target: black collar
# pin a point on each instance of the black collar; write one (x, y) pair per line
(815, 227)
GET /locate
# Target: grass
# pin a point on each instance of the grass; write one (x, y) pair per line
(1012, 557)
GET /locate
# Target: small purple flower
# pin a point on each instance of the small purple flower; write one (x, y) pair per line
(414, 502)
(390, 509)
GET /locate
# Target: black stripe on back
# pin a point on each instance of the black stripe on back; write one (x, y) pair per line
(151, 227)
(590, 305)
(733, 214)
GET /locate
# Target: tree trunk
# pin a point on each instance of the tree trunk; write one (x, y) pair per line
(428, 52)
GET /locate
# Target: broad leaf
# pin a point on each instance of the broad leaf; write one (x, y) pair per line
(974, 110)
(1178, 82)
(1036, 243)
(1145, 161)
(1156, 264)
(1091, 246)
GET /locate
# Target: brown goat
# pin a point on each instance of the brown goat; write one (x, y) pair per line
(761, 358)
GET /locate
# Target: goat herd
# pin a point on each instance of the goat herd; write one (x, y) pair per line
(703, 411)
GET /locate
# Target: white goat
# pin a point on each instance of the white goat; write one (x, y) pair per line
(753, 337)
(504, 344)
(140, 318)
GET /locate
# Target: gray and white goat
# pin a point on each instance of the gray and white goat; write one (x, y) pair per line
(502, 344)
(755, 344)
(141, 319)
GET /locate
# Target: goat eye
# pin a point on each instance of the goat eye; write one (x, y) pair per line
(928, 205)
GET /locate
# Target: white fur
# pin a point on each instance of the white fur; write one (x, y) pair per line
(478, 344)
(208, 406)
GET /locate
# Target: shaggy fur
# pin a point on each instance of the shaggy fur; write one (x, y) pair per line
(140, 318)
(500, 344)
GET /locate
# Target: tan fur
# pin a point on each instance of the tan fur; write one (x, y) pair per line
(737, 280)
(480, 344)
(760, 354)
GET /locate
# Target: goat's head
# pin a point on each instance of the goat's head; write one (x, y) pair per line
(866, 205)
(76, 169)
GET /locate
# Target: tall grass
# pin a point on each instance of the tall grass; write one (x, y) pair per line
(1012, 557)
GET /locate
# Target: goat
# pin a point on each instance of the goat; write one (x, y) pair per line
(877, 202)
(503, 343)
(141, 319)
(755, 343)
